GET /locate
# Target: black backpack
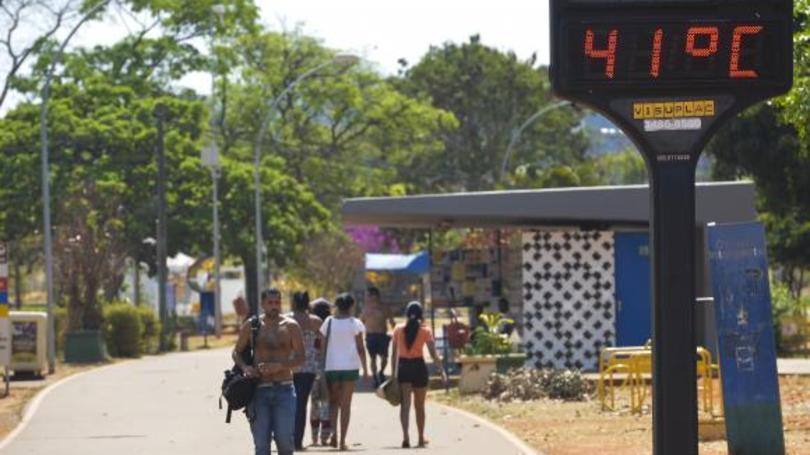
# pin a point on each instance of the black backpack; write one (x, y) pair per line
(236, 388)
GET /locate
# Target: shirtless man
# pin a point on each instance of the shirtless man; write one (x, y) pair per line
(374, 316)
(279, 349)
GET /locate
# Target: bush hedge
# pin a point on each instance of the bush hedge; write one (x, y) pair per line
(525, 384)
(150, 339)
(123, 330)
(60, 326)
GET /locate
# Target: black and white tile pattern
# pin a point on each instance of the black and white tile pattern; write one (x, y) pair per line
(568, 297)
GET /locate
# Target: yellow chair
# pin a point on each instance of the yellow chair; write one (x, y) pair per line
(636, 363)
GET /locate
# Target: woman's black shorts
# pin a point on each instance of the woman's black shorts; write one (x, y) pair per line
(413, 372)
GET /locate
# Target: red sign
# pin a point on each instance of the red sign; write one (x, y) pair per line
(675, 51)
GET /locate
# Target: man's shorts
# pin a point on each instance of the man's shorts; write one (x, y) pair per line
(377, 343)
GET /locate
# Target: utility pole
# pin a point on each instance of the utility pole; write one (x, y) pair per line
(161, 112)
(46, 183)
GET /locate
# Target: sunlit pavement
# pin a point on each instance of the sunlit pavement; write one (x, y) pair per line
(168, 405)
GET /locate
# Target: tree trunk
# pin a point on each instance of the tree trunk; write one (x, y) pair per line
(112, 286)
(136, 283)
(92, 309)
(75, 307)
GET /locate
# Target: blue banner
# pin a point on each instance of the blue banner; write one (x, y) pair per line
(206, 322)
(742, 301)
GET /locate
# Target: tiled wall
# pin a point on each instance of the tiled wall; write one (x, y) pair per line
(568, 297)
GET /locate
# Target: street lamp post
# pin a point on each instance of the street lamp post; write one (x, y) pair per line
(161, 114)
(46, 181)
(517, 132)
(210, 159)
(341, 60)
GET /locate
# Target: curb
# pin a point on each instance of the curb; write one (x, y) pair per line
(522, 447)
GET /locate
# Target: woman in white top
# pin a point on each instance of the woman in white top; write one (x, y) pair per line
(345, 356)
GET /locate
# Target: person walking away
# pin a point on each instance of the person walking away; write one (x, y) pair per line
(345, 356)
(304, 376)
(279, 348)
(408, 362)
(375, 315)
(319, 407)
(240, 307)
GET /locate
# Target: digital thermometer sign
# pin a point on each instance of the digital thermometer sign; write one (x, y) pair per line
(730, 46)
(669, 73)
(672, 53)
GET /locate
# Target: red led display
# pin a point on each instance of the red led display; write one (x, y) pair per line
(689, 51)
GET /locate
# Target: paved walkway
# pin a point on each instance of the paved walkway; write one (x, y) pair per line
(168, 405)
(793, 366)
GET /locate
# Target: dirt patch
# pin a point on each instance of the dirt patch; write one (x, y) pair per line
(568, 428)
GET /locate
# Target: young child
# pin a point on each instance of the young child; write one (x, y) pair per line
(319, 414)
(319, 401)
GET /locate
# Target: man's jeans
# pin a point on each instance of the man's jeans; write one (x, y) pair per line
(272, 415)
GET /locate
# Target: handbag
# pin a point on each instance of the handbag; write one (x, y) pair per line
(389, 391)
(238, 389)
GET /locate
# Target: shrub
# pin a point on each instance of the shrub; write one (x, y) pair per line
(568, 385)
(487, 339)
(525, 384)
(123, 330)
(60, 326)
(150, 339)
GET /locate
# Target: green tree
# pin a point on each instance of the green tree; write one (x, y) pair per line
(341, 132)
(103, 137)
(759, 146)
(290, 214)
(796, 104)
(623, 168)
(492, 94)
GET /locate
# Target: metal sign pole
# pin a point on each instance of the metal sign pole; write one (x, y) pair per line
(669, 73)
(672, 205)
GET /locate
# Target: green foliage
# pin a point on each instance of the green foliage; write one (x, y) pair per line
(123, 330)
(150, 339)
(341, 132)
(60, 327)
(623, 168)
(492, 94)
(760, 146)
(796, 104)
(782, 305)
(102, 136)
(183, 18)
(487, 338)
(316, 270)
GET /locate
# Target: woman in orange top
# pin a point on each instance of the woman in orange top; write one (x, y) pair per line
(408, 361)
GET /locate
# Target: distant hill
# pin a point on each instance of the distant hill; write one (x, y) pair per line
(606, 138)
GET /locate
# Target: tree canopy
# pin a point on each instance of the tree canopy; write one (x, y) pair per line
(491, 93)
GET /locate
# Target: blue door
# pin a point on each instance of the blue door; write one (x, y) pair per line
(633, 297)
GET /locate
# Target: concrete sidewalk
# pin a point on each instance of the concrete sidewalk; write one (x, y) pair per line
(168, 405)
